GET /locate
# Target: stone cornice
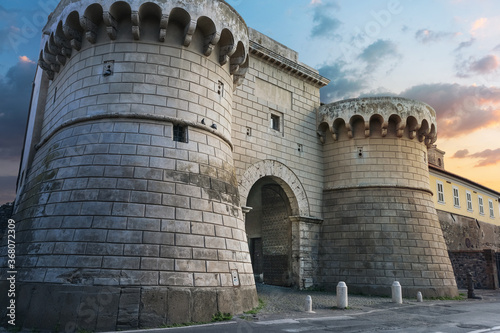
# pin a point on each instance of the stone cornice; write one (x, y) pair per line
(306, 219)
(135, 116)
(378, 186)
(287, 64)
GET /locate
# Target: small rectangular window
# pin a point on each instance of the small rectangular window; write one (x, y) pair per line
(180, 133)
(490, 205)
(481, 206)
(440, 192)
(456, 197)
(469, 201)
(275, 122)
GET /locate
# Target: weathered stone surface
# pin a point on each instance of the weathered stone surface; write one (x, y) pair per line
(179, 306)
(153, 307)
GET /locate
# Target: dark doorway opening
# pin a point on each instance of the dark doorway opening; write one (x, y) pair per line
(269, 231)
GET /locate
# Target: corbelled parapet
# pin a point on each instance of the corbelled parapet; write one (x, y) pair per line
(380, 224)
(74, 22)
(128, 211)
(378, 115)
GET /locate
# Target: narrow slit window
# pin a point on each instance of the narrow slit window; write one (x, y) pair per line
(220, 88)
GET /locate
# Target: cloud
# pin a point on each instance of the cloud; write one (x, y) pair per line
(460, 109)
(465, 44)
(26, 59)
(486, 65)
(486, 157)
(8, 192)
(478, 24)
(344, 83)
(325, 22)
(348, 80)
(375, 53)
(15, 94)
(461, 153)
(427, 36)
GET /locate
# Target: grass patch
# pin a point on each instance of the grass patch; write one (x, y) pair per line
(257, 308)
(221, 317)
(215, 318)
(460, 297)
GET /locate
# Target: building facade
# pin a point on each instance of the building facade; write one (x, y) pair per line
(173, 155)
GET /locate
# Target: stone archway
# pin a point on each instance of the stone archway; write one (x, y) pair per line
(283, 176)
(281, 233)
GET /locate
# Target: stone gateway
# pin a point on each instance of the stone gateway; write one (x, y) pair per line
(174, 156)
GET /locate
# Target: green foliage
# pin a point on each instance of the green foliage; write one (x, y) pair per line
(258, 308)
(82, 330)
(14, 329)
(215, 318)
(460, 297)
(221, 317)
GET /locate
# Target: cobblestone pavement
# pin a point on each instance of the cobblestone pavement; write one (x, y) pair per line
(281, 300)
(287, 302)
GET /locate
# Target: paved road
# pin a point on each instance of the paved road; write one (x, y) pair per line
(471, 316)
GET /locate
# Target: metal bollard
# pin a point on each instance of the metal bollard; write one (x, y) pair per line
(420, 299)
(342, 301)
(309, 304)
(397, 296)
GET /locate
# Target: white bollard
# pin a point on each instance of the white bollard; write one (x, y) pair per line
(342, 301)
(397, 296)
(420, 299)
(309, 304)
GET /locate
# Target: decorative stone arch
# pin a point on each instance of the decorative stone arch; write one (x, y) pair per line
(282, 175)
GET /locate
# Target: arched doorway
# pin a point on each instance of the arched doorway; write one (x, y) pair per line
(269, 230)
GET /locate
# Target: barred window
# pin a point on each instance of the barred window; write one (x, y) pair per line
(180, 133)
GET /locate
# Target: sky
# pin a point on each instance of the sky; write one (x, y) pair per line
(445, 53)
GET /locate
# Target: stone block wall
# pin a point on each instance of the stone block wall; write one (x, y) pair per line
(269, 89)
(374, 236)
(388, 160)
(5, 215)
(463, 233)
(482, 264)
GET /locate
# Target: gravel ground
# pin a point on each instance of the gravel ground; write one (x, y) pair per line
(281, 300)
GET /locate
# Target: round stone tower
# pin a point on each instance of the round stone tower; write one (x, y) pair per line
(128, 213)
(380, 224)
